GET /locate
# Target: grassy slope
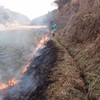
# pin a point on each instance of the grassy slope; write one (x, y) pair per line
(77, 71)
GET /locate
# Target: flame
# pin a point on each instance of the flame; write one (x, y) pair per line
(42, 41)
(13, 81)
(10, 83)
(25, 69)
(3, 86)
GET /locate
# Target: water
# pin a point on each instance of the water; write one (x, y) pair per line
(16, 48)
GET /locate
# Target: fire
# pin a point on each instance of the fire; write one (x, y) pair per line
(3, 86)
(25, 69)
(13, 81)
(10, 83)
(42, 41)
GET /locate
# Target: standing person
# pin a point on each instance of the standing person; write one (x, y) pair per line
(53, 29)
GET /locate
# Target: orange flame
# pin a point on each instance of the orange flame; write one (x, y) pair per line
(3, 86)
(25, 69)
(13, 81)
(42, 42)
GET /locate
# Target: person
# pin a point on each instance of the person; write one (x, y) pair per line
(53, 27)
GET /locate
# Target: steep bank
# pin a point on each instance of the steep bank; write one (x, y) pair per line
(76, 74)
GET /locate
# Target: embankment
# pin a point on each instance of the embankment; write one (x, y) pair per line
(34, 81)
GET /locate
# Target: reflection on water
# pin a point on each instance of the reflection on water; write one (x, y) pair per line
(16, 47)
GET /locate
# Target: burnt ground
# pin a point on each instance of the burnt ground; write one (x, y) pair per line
(34, 81)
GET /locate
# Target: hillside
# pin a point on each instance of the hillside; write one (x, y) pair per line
(45, 19)
(10, 18)
(76, 73)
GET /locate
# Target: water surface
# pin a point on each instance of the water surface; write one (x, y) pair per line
(16, 49)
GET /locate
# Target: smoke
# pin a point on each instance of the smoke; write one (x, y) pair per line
(30, 79)
(16, 49)
(36, 73)
(1, 98)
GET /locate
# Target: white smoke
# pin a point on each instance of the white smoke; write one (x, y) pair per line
(1, 98)
(16, 48)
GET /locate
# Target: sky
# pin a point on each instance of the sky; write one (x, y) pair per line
(30, 8)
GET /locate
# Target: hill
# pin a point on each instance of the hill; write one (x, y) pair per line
(10, 18)
(45, 19)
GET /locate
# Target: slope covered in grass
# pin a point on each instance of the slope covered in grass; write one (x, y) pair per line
(76, 73)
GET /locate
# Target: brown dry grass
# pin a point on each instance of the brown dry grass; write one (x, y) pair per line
(81, 37)
(77, 70)
(66, 77)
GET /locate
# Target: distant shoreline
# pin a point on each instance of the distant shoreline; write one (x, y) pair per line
(20, 27)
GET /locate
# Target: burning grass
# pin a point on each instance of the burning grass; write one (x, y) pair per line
(33, 76)
(13, 81)
(76, 73)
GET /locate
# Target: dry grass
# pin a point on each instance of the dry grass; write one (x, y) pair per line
(67, 82)
(77, 70)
